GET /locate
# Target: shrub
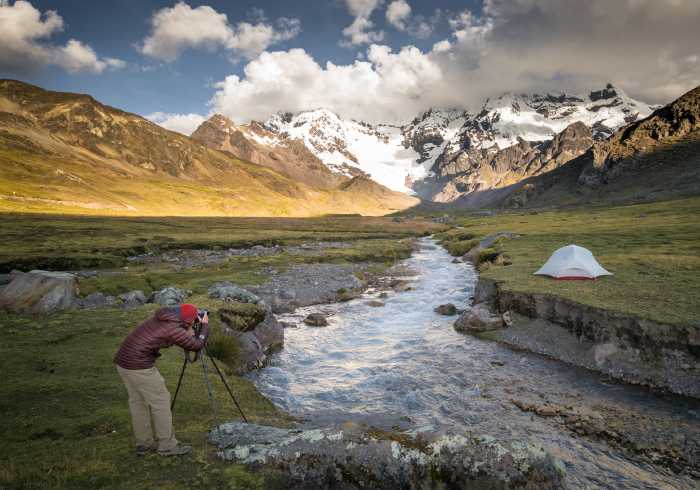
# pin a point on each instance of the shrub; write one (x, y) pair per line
(460, 247)
(224, 348)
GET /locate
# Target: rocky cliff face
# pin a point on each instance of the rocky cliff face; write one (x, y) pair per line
(255, 143)
(482, 170)
(657, 157)
(630, 148)
(439, 147)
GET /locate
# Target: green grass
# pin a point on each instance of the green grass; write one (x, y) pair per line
(78, 242)
(653, 250)
(65, 421)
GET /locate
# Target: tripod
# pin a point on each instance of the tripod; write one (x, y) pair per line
(205, 371)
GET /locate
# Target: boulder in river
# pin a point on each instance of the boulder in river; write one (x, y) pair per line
(447, 309)
(257, 333)
(316, 320)
(478, 319)
(39, 292)
(353, 457)
(375, 303)
(170, 296)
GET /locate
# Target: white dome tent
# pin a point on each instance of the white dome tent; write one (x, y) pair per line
(572, 262)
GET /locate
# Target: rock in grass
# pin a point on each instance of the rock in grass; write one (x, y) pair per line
(170, 296)
(133, 299)
(447, 309)
(39, 292)
(242, 317)
(478, 319)
(353, 457)
(230, 292)
(96, 300)
(316, 320)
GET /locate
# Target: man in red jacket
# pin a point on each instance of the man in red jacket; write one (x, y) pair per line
(148, 396)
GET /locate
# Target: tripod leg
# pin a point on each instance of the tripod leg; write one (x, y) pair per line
(179, 383)
(210, 395)
(223, 379)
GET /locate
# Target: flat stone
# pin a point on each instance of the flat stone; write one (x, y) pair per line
(351, 457)
(375, 303)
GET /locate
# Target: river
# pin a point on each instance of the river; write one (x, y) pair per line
(403, 364)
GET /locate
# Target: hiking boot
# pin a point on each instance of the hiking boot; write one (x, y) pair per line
(144, 450)
(179, 450)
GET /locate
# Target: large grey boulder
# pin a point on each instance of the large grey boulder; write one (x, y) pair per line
(257, 333)
(353, 458)
(170, 296)
(478, 319)
(230, 292)
(39, 292)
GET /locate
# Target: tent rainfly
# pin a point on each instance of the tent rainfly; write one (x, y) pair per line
(572, 262)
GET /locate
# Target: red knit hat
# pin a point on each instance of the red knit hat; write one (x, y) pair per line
(188, 313)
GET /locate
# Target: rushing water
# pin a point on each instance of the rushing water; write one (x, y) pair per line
(403, 363)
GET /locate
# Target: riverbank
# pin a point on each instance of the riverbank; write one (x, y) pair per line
(65, 420)
(641, 325)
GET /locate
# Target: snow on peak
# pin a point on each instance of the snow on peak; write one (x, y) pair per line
(397, 155)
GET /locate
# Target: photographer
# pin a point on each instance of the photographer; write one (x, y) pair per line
(148, 395)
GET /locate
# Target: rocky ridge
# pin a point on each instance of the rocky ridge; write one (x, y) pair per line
(440, 143)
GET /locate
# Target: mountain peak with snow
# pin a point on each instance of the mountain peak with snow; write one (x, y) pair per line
(396, 156)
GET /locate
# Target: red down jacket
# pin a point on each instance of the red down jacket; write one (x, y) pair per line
(139, 350)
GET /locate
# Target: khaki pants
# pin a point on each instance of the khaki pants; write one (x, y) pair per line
(148, 397)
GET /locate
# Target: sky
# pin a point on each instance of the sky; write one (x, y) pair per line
(373, 60)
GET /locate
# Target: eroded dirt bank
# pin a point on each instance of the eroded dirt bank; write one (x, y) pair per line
(623, 346)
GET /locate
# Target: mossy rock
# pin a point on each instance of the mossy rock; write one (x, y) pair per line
(242, 316)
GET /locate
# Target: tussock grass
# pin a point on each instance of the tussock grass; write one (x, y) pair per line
(653, 250)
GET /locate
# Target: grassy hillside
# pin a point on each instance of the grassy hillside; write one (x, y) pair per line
(67, 153)
(653, 250)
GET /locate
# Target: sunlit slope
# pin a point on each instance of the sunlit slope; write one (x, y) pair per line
(68, 153)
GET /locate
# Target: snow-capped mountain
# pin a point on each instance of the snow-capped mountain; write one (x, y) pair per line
(397, 156)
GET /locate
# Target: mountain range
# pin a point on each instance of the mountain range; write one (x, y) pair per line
(64, 152)
(443, 154)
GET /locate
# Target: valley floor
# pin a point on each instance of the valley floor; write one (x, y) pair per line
(65, 421)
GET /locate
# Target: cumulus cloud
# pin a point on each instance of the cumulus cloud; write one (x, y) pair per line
(398, 13)
(360, 31)
(24, 32)
(649, 48)
(181, 123)
(387, 86)
(174, 29)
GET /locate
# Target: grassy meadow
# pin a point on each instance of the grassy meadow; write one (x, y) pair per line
(65, 421)
(652, 249)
